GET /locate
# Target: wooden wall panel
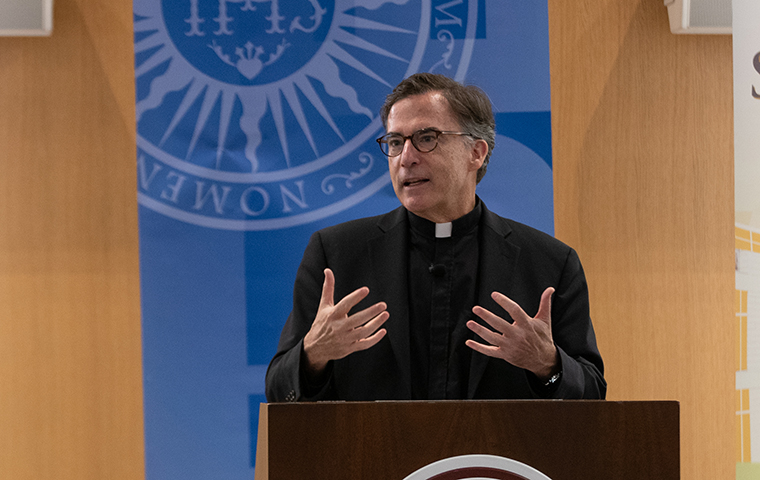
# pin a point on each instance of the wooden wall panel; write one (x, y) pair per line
(70, 366)
(643, 164)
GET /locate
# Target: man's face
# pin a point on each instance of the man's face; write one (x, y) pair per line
(438, 185)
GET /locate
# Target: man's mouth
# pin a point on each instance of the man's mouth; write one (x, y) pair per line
(415, 182)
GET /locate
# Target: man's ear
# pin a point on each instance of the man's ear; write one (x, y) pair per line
(479, 151)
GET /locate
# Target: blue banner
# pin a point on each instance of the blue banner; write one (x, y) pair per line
(256, 122)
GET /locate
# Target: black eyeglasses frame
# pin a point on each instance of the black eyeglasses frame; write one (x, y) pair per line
(384, 139)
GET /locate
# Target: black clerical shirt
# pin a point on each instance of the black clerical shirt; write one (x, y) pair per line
(442, 291)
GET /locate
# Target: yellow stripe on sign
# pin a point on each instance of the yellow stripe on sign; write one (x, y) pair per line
(738, 438)
(746, 450)
(742, 244)
(743, 347)
(737, 301)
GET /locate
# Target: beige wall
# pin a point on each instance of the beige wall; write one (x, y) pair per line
(643, 189)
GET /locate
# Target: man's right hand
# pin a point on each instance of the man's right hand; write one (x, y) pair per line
(334, 334)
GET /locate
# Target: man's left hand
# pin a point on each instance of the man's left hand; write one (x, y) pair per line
(526, 343)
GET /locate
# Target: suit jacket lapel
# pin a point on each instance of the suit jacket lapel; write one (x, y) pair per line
(388, 253)
(496, 265)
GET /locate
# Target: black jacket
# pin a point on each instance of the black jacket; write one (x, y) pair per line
(515, 259)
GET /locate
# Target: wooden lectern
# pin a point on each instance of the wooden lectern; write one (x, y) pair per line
(564, 439)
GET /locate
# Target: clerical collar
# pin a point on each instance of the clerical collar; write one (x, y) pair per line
(456, 228)
(443, 230)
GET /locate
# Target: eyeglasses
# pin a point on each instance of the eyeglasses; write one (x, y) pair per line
(392, 144)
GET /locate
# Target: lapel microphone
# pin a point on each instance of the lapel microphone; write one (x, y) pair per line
(437, 270)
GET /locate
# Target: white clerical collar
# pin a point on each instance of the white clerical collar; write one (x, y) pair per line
(443, 230)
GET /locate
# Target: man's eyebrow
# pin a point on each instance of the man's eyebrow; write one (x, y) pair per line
(426, 129)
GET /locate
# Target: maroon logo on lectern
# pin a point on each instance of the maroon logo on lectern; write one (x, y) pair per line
(477, 467)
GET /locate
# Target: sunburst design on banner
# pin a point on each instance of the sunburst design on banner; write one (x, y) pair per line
(182, 74)
(260, 114)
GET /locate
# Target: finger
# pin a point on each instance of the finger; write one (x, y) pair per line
(368, 328)
(489, 350)
(361, 317)
(370, 341)
(349, 301)
(328, 289)
(512, 308)
(494, 338)
(495, 321)
(545, 308)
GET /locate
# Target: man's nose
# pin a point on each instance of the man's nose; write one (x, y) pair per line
(409, 154)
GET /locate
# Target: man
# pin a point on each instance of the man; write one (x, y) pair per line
(429, 301)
